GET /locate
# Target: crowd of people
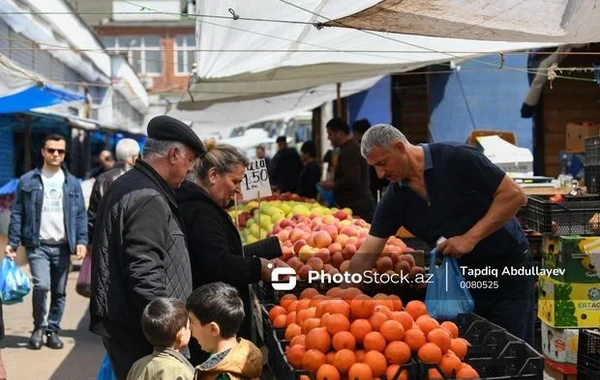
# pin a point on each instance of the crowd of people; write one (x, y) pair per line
(168, 263)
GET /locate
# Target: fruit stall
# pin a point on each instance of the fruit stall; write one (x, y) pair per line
(318, 330)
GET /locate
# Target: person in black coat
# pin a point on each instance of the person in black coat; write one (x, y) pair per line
(285, 167)
(311, 172)
(214, 244)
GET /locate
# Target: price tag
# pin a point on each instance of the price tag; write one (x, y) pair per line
(256, 180)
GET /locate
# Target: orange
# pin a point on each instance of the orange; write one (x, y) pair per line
(377, 319)
(334, 292)
(343, 339)
(349, 294)
(434, 374)
(427, 324)
(309, 293)
(392, 370)
(362, 306)
(392, 330)
(286, 300)
(336, 323)
(450, 365)
(430, 353)
(302, 304)
(397, 352)
(467, 373)
(397, 302)
(312, 360)
(291, 318)
(299, 339)
(343, 360)
(309, 324)
(292, 306)
(384, 300)
(451, 327)
(330, 356)
(319, 339)
(415, 339)
(374, 341)
(404, 318)
(338, 307)
(328, 372)
(377, 361)
(383, 309)
(292, 330)
(318, 300)
(416, 309)
(459, 347)
(304, 314)
(360, 371)
(275, 312)
(360, 356)
(441, 338)
(359, 328)
(280, 321)
(294, 355)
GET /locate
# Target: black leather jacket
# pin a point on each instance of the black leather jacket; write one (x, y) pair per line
(102, 183)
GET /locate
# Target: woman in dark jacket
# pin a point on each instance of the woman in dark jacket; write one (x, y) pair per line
(214, 243)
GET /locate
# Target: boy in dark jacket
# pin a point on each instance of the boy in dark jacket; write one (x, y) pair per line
(216, 313)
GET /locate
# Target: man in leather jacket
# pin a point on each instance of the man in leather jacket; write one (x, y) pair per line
(128, 151)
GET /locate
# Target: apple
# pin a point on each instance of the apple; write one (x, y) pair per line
(344, 266)
(324, 254)
(335, 248)
(287, 243)
(337, 259)
(303, 272)
(360, 242)
(395, 256)
(296, 235)
(350, 231)
(363, 232)
(295, 263)
(384, 264)
(283, 235)
(311, 240)
(287, 253)
(408, 258)
(349, 251)
(315, 263)
(344, 223)
(331, 229)
(322, 239)
(342, 239)
(329, 219)
(306, 252)
(317, 221)
(298, 245)
(287, 223)
(415, 271)
(340, 215)
(402, 267)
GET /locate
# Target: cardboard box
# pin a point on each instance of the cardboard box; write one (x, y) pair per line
(568, 305)
(576, 134)
(559, 347)
(574, 254)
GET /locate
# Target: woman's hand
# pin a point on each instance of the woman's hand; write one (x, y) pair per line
(266, 267)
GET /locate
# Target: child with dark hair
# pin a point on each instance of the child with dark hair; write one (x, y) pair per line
(216, 313)
(166, 326)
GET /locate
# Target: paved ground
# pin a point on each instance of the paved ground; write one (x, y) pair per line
(78, 360)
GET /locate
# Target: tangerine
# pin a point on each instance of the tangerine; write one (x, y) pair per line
(286, 300)
(416, 309)
(450, 365)
(459, 347)
(360, 371)
(404, 318)
(415, 339)
(343, 360)
(397, 352)
(343, 340)
(336, 323)
(374, 341)
(328, 372)
(359, 328)
(276, 311)
(377, 319)
(429, 353)
(441, 337)
(451, 327)
(319, 339)
(362, 306)
(312, 360)
(377, 361)
(294, 355)
(427, 324)
(392, 330)
(467, 373)
(309, 293)
(292, 331)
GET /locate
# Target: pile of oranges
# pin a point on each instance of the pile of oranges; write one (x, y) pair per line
(346, 334)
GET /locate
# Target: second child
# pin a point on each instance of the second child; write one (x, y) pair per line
(216, 313)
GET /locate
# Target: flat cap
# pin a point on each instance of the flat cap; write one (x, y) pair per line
(166, 128)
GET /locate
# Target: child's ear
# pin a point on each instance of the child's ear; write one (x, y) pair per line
(182, 338)
(215, 329)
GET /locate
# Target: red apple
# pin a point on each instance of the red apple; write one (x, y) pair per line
(324, 254)
(303, 272)
(333, 231)
(340, 215)
(384, 264)
(402, 267)
(298, 245)
(286, 223)
(335, 248)
(315, 263)
(322, 239)
(295, 263)
(337, 259)
(344, 266)
(296, 235)
(288, 253)
(408, 258)
(350, 231)
(349, 251)
(283, 235)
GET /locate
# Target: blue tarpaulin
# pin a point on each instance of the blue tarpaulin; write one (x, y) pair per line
(10, 187)
(36, 96)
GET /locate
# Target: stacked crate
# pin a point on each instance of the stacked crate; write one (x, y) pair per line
(592, 164)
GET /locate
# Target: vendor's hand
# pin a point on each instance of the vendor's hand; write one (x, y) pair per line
(456, 246)
(266, 267)
(10, 253)
(81, 251)
(327, 185)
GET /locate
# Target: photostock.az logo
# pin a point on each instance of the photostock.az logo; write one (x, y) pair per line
(279, 280)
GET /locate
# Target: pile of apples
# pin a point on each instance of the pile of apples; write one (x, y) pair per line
(328, 243)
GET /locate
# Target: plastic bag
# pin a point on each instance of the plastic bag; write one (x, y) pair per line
(84, 280)
(325, 196)
(446, 296)
(105, 372)
(14, 284)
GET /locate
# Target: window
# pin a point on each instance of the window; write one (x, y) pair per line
(142, 52)
(185, 54)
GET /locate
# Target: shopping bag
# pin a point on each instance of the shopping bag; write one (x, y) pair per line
(446, 295)
(325, 196)
(84, 280)
(14, 283)
(105, 372)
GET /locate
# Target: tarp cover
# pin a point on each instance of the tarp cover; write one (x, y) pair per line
(557, 21)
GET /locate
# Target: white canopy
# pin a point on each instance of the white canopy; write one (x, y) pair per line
(273, 51)
(557, 21)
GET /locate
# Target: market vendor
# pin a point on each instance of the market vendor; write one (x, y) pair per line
(454, 191)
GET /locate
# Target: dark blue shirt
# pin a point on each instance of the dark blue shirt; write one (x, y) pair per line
(460, 183)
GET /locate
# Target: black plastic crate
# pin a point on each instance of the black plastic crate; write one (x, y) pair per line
(592, 178)
(588, 355)
(566, 218)
(592, 150)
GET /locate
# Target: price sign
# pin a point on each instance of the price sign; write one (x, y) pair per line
(256, 180)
